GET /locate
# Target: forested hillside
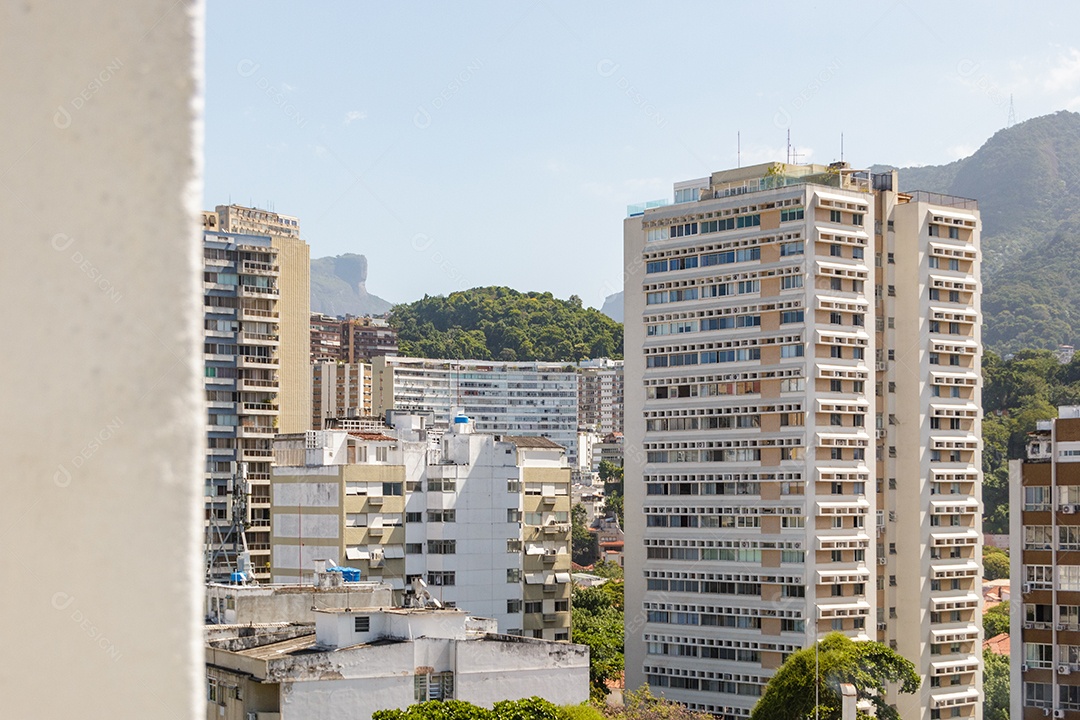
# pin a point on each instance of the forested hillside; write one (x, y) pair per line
(1017, 393)
(498, 323)
(1027, 181)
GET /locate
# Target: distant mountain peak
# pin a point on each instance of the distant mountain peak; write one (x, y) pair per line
(339, 287)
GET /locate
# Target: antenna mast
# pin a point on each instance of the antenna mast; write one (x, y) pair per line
(1012, 113)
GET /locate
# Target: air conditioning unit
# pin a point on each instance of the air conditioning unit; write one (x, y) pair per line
(1042, 626)
(1062, 628)
(1029, 626)
(1026, 588)
(1064, 670)
(1059, 713)
(1068, 509)
(1024, 667)
(253, 716)
(883, 561)
(375, 500)
(880, 367)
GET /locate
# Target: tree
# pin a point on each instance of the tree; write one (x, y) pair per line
(583, 545)
(597, 621)
(608, 569)
(995, 686)
(995, 563)
(534, 708)
(996, 620)
(641, 704)
(868, 666)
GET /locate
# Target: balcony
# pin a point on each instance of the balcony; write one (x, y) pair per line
(255, 361)
(255, 314)
(255, 291)
(251, 338)
(255, 431)
(259, 408)
(257, 385)
(258, 268)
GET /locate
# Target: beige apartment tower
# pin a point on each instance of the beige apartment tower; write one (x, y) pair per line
(802, 359)
(294, 306)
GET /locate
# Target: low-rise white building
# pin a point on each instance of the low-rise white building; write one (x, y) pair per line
(358, 661)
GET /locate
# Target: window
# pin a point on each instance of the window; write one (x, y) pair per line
(513, 515)
(791, 214)
(445, 516)
(513, 575)
(954, 233)
(414, 517)
(791, 316)
(790, 351)
(835, 216)
(856, 219)
(534, 606)
(513, 606)
(791, 248)
(433, 686)
(790, 282)
(355, 520)
(440, 578)
(513, 545)
(836, 251)
(392, 488)
(414, 548)
(362, 624)
(442, 547)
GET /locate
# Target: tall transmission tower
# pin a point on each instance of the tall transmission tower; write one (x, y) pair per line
(1012, 113)
(226, 545)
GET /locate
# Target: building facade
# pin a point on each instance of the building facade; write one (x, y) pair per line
(355, 662)
(502, 398)
(600, 395)
(1044, 555)
(339, 390)
(325, 338)
(802, 356)
(294, 307)
(485, 521)
(240, 321)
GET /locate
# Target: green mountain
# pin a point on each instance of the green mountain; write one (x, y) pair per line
(1027, 181)
(339, 287)
(498, 323)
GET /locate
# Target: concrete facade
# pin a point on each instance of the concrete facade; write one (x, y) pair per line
(483, 520)
(503, 398)
(294, 306)
(360, 661)
(102, 168)
(339, 390)
(1044, 531)
(802, 354)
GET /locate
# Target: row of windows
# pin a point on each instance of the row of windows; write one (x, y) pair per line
(717, 455)
(715, 323)
(707, 357)
(710, 422)
(704, 521)
(705, 685)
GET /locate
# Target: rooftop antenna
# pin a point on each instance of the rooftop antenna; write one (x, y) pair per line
(841, 147)
(1012, 113)
(788, 160)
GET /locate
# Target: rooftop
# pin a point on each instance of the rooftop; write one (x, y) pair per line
(532, 442)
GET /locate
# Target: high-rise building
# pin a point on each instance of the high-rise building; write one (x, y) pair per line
(484, 520)
(802, 362)
(339, 390)
(1044, 535)
(600, 395)
(365, 338)
(325, 338)
(294, 282)
(240, 275)
(535, 399)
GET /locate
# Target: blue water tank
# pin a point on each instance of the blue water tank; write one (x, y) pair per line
(237, 578)
(461, 419)
(350, 574)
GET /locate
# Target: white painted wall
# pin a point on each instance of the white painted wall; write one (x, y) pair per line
(100, 171)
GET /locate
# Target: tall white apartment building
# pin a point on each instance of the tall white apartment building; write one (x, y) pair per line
(534, 399)
(600, 395)
(802, 354)
(483, 520)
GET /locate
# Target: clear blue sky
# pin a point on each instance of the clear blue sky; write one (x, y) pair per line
(499, 143)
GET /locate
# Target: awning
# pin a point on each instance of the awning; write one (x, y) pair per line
(966, 534)
(963, 633)
(968, 566)
(963, 697)
(393, 552)
(562, 577)
(955, 311)
(395, 583)
(534, 578)
(821, 195)
(355, 553)
(965, 502)
(941, 601)
(861, 575)
(532, 549)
